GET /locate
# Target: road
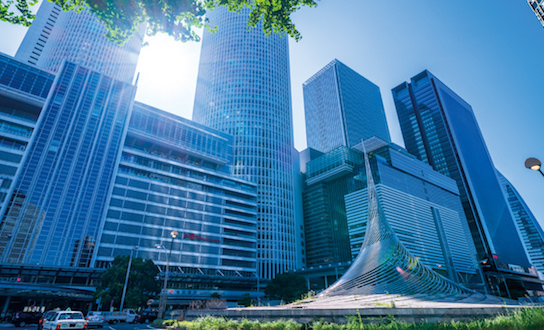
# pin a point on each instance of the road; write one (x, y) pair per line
(119, 326)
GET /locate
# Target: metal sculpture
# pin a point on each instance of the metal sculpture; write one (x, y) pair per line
(384, 265)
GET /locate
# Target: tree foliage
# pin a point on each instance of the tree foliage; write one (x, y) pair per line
(142, 285)
(178, 18)
(246, 300)
(287, 287)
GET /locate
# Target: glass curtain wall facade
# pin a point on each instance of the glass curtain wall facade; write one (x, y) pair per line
(530, 230)
(244, 89)
(23, 90)
(342, 108)
(436, 232)
(60, 193)
(56, 36)
(538, 8)
(174, 174)
(328, 178)
(440, 128)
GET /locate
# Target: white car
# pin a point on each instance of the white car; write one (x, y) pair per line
(131, 315)
(65, 320)
(95, 319)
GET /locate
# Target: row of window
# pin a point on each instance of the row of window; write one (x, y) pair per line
(22, 77)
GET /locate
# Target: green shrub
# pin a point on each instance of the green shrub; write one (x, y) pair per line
(527, 318)
(157, 323)
(215, 323)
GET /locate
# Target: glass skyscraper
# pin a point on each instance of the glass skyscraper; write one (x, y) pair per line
(423, 208)
(174, 174)
(23, 91)
(61, 190)
(538, 8)
(440, 128)
(336, 209)
(86, 175)
(531, 232)
(328, 178)
(56, 36)
(342, 108)
(244, 89)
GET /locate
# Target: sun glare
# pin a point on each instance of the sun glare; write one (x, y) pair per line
(167, 74)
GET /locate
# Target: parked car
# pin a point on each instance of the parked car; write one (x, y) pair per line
(115, 317)
(23, 318)
(95, 319)
(45, 316)
(131, 315)
(65, 320)
(148, 316)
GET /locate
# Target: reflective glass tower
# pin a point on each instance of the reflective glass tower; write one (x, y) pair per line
(538, 7)
(23, 90)
(243, 89)
(56, 36)
(440, 128)
(531, 232)
(342, 108)
(60, 194)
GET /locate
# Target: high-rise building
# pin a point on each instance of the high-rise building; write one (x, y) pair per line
(531, 232)
(81, 184)
(244, 89)
(336, 210)
(62, 185)
(342, 108)
(23, 91)
(407, 188)
(538, 8)
(56, 36)
(440, 129)
(329, 178)
(174, 175)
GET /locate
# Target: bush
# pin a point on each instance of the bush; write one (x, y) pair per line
(527, 318)
(216, 323)
(158, 323)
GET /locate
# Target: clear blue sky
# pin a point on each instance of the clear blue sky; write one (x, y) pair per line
(489, 52)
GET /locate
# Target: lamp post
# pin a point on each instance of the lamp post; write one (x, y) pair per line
(534, 164)
(162, 302)
(126, 278)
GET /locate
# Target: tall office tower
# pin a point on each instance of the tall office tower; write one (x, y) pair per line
(440, 128)
(174, 175)
(531, 232)
(336, 209)
(342, 108)
(23, 90)
(60, 193)
(244, 89)
(407, 188)
(329, 177)
(56, 36)
(538, 7)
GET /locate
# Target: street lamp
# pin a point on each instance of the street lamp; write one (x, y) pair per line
(162, 302)
(126, 278)
(534, 164)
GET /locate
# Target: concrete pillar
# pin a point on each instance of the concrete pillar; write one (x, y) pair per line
(506, 286)
(6, 305)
